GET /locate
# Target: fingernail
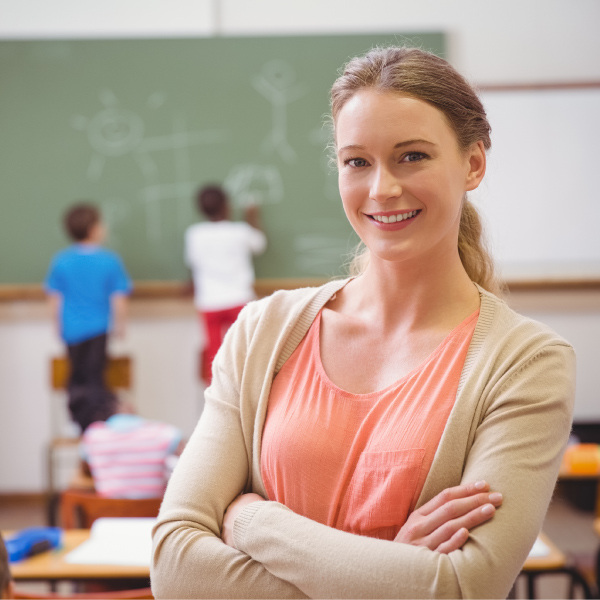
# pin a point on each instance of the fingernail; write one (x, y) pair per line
(495, 497)
(487, 509)
(479, 485)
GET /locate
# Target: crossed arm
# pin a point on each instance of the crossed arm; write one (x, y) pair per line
(442, 524)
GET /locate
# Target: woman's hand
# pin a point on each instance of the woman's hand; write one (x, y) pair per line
(233, 510)
(443, 523)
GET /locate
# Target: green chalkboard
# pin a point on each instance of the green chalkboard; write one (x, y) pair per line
(138, 125)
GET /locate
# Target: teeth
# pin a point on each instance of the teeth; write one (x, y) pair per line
(394, 218)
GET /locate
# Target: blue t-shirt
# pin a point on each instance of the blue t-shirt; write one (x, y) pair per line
(86, 277)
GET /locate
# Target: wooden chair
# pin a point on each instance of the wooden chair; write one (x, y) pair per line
(109, 595)
(117, 374)
(79, 509)
(118, 377)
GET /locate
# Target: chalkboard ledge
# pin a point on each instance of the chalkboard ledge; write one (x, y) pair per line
(157, 289)
(177, 289)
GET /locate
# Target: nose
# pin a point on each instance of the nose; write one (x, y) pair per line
(384, 184)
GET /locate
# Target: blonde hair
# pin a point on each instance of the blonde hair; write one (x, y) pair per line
(428, 77)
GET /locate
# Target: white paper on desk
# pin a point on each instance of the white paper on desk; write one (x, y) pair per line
(116, 541)
(539, 549)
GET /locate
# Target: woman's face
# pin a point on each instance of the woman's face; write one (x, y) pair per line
(402, 176)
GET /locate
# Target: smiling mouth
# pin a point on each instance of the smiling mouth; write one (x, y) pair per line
(394, 218)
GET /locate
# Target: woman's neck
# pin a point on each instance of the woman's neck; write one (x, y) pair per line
(414, 294)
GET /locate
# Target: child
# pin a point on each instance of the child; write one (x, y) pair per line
(219, 253)
(91, 403)
(88, 287)
(129, 456)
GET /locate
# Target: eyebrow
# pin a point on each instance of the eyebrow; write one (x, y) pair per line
(398, 145)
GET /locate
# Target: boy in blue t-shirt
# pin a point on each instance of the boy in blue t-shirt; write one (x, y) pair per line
(88, 288)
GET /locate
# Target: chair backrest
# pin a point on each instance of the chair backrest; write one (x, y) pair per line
(114, 595)
(79, 509)
(116, 376)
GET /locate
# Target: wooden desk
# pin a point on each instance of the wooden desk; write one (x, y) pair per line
(51, 565)
(555, 560)
(566, 474)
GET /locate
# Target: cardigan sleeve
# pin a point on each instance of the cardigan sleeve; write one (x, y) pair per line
(517, 447)
(189, 559)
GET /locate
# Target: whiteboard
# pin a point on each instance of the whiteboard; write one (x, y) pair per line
(540, 198)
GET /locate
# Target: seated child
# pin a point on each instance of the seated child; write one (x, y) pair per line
(91, 403)
(129, 456)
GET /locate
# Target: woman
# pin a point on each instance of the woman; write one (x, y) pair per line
(375, 424)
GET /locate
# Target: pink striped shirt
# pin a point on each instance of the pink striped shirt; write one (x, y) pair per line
(127, 456)
(357, 462)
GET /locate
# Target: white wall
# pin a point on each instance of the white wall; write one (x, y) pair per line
(490, 42)
(163, 338)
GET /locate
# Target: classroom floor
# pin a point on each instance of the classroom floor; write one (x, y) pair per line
(569, 526)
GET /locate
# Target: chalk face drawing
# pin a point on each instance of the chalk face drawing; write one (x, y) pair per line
(116, 132)
(277, 83)
(112, 132)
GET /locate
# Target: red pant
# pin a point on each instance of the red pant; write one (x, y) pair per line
(216, 324)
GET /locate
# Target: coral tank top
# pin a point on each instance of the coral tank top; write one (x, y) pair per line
(357, 462)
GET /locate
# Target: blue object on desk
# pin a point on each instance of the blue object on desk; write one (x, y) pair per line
(33, 540)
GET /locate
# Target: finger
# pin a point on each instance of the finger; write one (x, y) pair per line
(477, 516)
(469, 521)
(455, 542)
(453, 493)
(455, 509)
(442, 523)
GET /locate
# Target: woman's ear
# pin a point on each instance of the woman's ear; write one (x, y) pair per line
(477, 162)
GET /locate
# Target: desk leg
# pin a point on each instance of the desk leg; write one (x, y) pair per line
(51, 499)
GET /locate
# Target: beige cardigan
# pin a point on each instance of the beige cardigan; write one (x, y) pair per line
(509, 426)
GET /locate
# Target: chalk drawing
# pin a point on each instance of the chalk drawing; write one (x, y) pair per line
(115, 132)
(155, 194)
(112, 132)
(254, 184)
(156, 100)
(114, 212)
(277, 83)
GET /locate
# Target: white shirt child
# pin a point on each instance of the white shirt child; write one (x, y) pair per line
(219, 254)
